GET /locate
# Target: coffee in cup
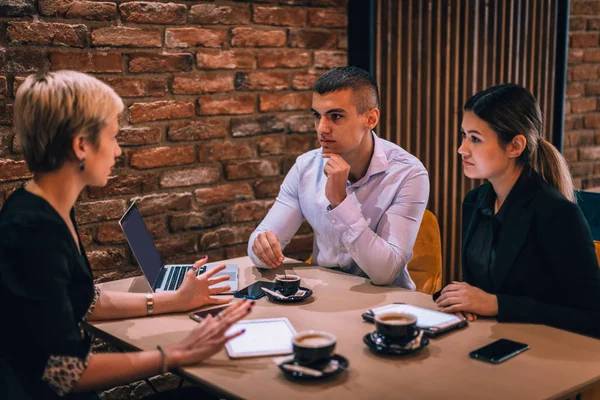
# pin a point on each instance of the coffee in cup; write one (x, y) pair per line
(287, 285)
(396, 326)
(313, 346)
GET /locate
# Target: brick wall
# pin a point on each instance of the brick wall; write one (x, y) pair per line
(217, 98)
(582, 108)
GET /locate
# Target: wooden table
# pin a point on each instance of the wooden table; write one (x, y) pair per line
(557, 365)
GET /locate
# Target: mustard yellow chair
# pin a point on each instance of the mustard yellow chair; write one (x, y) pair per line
(597, 245)
(425, 266)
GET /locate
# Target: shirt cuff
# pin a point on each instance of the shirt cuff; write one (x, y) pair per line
(347, 219)
(63, 372)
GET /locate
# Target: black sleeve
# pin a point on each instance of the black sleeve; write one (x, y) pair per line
(568, 252)
(35, 278)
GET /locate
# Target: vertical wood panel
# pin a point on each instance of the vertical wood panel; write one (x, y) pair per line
(432, 55)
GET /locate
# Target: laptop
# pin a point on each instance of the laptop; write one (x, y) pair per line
(163, 277)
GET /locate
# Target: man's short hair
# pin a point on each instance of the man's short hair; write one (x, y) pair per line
(362, 84)
(52, 108)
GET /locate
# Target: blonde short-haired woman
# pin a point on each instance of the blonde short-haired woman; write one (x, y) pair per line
(67, 123)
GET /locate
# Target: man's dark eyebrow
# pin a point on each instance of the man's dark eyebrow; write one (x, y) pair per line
(332, 111)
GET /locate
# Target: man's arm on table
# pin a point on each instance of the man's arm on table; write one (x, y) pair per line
(284, 218)
(383, 255)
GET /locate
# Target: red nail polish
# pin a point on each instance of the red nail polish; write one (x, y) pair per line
(253, 302)
(249, 309)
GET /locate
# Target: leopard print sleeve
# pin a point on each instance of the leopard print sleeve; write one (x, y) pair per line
(94, 302)
(63, 372)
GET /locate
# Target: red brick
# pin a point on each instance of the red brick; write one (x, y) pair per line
(592, 89)
(136, 87)
(172, 62)
(585, 8)
(87, 62)
(96, 211)
(228, 104)
(11, 170)
(304, 228)
(298, 144)
(48, 34)
(577, 24)
(190, 177)
(285, 16)
(21, 60)
(110, 233)
(592, 120)
(207, 14)
(191, 37)
(176, 245)
(130, 136)
(223, 194)
(271, 145)
(299, 243)
(285, 101)
(328, 18)
(598, 139)
(584, 72)
(17, 8)
(6, 114)
(267, 188)
(304, 80)
(251, 169)
(226, 59)
(250, 211)
(593, 24)
(203, 82)
(582, 169)
(575, 56)
(54, 7)
(583, 105)
(86, 234)
(125, 36)
(287, 163)
(157, 226)
(221, 150)
(586, 39)
(226, 236)
(92, 10)
(252, 37)
(313, 39)
(158, 110)
(343, 40)
(162, 157)
(589, 153)
(258, 80)
(162, 202)
(591, 55)
(256, 125)
(17, 84)
(198, 130)
(579, 138)
(3, 88)
(575, 89)
(239, 250)
(153, 13)
(197, 219)
(283, 59)
(106, 259)
(301, 123)
(121, 184)
(330, 59)
(329, 3)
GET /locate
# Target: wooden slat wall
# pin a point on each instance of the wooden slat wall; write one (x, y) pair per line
(430, 57)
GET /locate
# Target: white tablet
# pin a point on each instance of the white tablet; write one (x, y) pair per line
(263, 337)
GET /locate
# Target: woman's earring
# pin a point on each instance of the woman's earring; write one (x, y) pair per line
(82, 165)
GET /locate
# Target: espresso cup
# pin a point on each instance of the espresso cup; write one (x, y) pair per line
(287, 284)
(313, 346)
(396, 327)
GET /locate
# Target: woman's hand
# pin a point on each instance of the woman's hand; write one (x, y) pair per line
(462, 297)
(195, 291)
(209, 337)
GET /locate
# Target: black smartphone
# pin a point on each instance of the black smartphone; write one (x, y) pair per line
(198, 316)
(254, 291)
(498, 351)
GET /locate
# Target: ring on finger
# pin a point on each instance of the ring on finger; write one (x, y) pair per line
(195, 268)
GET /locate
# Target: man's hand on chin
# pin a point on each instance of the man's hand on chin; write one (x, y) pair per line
(337, 171)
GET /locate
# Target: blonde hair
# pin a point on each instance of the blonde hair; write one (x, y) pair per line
(52, 108)
(512, 110)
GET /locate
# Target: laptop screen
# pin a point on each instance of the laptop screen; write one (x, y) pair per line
(141, 243)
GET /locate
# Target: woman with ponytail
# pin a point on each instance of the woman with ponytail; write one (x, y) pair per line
(527, 251)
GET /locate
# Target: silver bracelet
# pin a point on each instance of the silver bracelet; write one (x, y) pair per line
(164, 368)
(149, 304)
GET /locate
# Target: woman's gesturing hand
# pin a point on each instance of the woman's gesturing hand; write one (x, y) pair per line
(196, 291)
(209, 337)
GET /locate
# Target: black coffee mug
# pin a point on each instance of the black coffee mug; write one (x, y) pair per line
(396, 327)
(313, 346)
(287, 285)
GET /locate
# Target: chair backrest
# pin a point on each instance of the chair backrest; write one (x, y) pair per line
(589, 203)
(425, 266)
(597, 245)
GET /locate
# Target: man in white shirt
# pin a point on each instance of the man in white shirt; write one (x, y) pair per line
(363, 196)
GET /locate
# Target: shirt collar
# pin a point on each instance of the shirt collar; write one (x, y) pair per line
(379, 162)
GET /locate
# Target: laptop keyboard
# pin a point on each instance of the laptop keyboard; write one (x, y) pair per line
(176, 274)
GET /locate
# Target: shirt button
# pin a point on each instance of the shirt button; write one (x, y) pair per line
(334, 221)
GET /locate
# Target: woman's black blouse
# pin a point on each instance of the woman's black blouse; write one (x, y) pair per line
(46, 292)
